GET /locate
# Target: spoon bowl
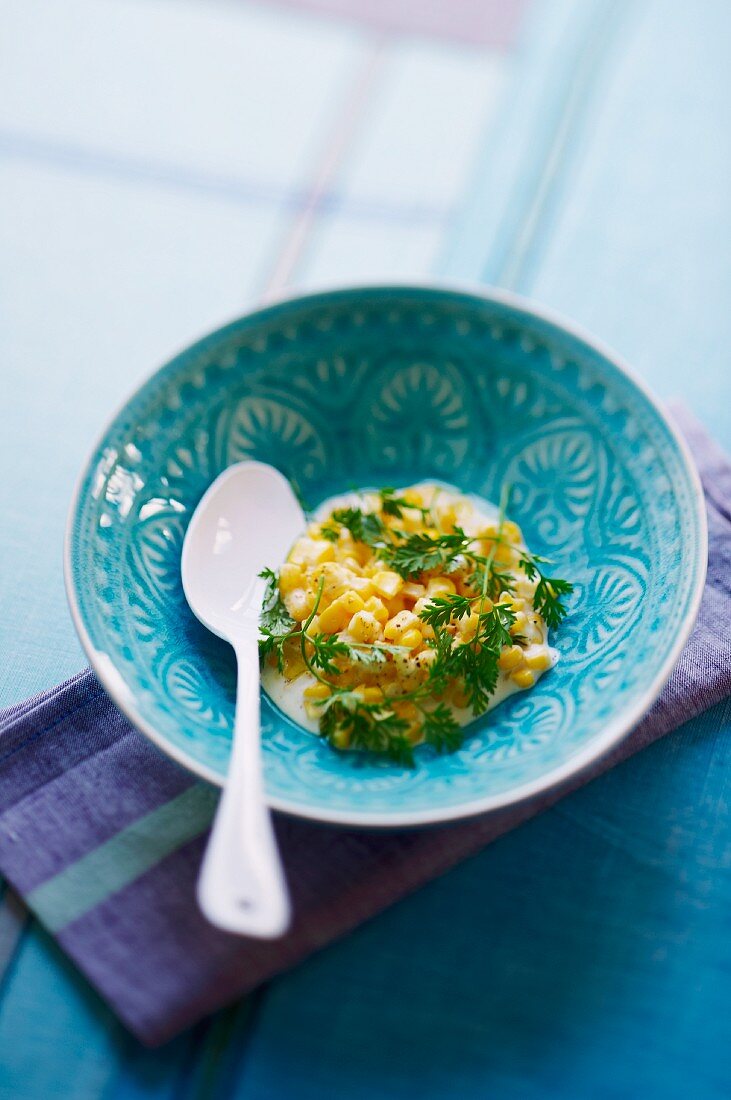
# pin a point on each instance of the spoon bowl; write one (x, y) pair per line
(247, 520)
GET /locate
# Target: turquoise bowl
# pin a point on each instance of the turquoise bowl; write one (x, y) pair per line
(389, 385)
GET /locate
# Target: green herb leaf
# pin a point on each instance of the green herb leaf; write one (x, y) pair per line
(442, 609)
(393, 505)
(326, 648)
(422, 553)
(365, 527)
(547, 600)
(371, 728)
(441, 730)
(275, 622)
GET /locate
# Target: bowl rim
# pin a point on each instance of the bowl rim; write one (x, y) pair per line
(598, 746)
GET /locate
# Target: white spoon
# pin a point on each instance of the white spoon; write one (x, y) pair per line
(248, 519)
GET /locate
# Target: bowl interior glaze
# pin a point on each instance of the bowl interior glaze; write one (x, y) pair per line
(389, 385)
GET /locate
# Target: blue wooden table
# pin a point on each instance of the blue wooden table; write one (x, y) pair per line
(587, 953)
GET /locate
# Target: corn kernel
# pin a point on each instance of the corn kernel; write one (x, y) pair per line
(316, 691)
(440, 586)
(387, 583)
(411, 638)
(460, 698)
(448, 517)
(425, 658)
(312, 551)
(368, 693)
(510, 658)
(525, 589)
(505, 555)
(377, 608)
(335, 578)
(521, 621)
(362, 553)
(362, 585)
(540, 661)
(294, 664)
(406, 710)
(290, 577)
(299, 604)
(523, 677)
(468, 625)
(533, 633)
(412, 591)
(340, 738)
(511, 531)
(364, 627)
(399, 624)
(339, 613)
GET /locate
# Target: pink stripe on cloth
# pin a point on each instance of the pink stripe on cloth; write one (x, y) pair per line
(492, 23)
(146, 947)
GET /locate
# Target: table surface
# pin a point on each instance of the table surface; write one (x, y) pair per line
(152, 191)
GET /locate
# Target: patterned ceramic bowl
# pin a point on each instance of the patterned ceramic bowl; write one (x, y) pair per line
(391, 385)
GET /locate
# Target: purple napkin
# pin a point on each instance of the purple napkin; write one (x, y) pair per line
(102, 835)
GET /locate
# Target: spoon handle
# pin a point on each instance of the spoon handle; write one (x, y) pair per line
(241, 887)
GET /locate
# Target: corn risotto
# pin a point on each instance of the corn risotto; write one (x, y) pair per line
(401, 615)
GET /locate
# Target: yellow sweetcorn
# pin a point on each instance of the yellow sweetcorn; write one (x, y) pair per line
(369, 693)
(523, 677)
(510, 658)
(532, 632)
(414, 496)
(425, 658)
(362, 585)
(411, 638)
(399, 624)
(337, 616)
(312, 551)
(398, 603)
(460, 698)
(335, 578)
(377, 608)
(290, 577)
(440, 586)
(525, 589)
(467, 626)
(364, 627)
(539, 661)
(316, 691)
(387, 583)
(341, 738)
(505, 555)
(299, 603)
(521, 621)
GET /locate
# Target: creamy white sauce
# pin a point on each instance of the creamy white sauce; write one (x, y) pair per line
(288, 695)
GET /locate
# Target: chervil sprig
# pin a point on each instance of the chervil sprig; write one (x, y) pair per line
(549, 590)
(419, 553)
(393, 505)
